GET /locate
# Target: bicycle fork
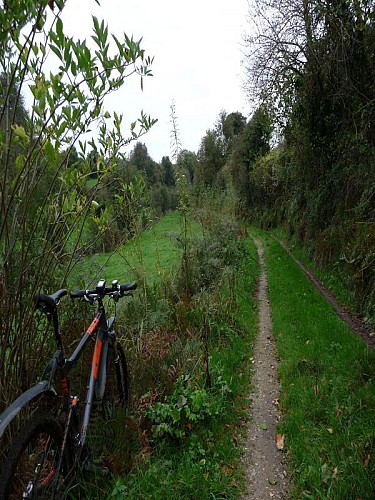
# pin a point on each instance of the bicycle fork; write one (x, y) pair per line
(72, 409)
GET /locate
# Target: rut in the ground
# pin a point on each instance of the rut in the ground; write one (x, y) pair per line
(265, 466)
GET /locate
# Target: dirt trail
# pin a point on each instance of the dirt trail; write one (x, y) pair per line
(265, 465)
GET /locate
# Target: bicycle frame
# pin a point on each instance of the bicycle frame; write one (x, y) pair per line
(68, 427)
(100, 326)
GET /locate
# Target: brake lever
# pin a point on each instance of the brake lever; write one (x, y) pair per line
(90, 299)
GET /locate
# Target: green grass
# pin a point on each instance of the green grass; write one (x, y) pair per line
(148, 256)
(332, 276)
(328, 388)
(203, 463)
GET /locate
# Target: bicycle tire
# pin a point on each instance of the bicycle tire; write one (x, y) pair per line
(29, 470)
(116, 394)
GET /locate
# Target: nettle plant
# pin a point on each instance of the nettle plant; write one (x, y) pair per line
(187, 406)
(49, 173)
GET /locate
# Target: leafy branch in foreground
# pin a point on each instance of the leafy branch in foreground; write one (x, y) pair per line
(46, 197)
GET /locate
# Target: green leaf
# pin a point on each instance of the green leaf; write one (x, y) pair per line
(59, 29)
(20, 131)
(96, 39)
(49, 150)
(96, 24)
(20, 162)
(73, 68)
(40, 22)
(119, 44)
(62, 128)
(56, 50)
(264, 426)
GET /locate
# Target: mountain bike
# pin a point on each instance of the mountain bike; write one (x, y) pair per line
(51, 448)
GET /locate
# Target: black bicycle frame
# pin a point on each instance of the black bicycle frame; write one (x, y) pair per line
(97, 379)
(98, 374)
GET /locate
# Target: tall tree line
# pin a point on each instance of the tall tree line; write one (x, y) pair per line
(310, 80)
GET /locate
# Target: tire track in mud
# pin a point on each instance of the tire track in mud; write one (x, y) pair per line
(356, 324)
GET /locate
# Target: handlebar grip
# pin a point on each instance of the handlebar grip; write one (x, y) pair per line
(127, 287)
(77, 294)
(49, 301)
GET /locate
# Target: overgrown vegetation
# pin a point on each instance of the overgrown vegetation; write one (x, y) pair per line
(190, 369)
(50, 191)
(304, 160)
(63, 197)
(309, 76)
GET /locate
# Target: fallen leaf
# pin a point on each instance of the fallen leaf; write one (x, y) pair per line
(316, 389)
(264, 426)
(280, 441)
(338, 413)
(330, 430)
(335, 472)
(276, 401)
(272, 481)
(367, 459)
(228, 470)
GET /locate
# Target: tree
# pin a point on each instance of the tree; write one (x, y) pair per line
(13, 109)
(211, 159)
(312, 62)
(168, 171)
(140, 158)
(188, 161)
(45, 199)
(232, 126)
(253, 143)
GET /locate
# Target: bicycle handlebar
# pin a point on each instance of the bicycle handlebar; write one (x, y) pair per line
(101, 290)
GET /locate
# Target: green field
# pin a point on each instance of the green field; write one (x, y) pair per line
(155, 252)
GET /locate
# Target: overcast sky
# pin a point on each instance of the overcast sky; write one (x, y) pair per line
(197, 50)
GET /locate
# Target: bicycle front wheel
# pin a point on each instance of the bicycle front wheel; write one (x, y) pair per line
(116, 395)
(33, 468)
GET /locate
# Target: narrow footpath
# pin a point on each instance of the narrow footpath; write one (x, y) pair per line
(264, 462)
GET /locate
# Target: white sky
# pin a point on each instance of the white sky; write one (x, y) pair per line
(197, 49)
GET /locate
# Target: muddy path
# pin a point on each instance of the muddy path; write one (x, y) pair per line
(265, 465)
(356, 324)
